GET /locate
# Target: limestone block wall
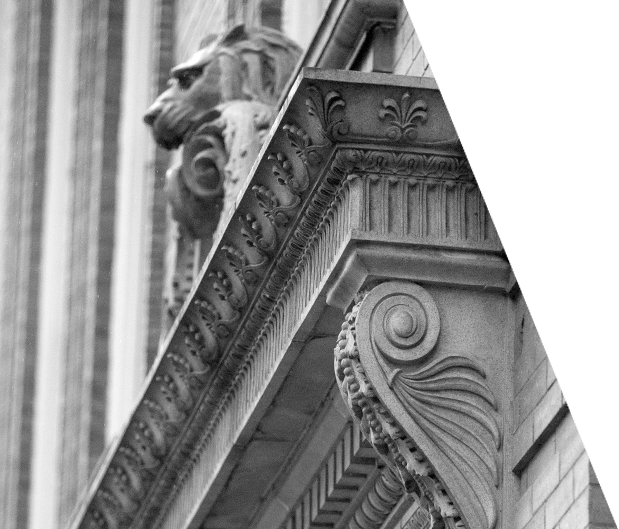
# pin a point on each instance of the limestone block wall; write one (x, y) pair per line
(556, 485)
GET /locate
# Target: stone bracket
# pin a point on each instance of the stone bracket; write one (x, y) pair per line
(431, 417)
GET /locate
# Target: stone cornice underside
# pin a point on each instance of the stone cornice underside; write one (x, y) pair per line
(337, 135)
(350, 473)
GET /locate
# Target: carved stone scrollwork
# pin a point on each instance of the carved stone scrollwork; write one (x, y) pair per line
(432, 420)
(328, 109)
(195, 188)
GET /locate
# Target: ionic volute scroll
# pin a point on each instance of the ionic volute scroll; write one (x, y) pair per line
(430, 415)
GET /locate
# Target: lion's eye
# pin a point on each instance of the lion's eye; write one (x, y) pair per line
(186, 79)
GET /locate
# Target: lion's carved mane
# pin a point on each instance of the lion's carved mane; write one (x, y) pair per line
(248, 64)
(219, 105)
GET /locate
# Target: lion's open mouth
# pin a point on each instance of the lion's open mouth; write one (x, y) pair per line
(171, 125)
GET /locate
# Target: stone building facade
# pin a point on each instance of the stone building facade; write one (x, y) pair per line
(360, 240)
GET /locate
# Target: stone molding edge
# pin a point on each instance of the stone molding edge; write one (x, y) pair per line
(366, 261)
(236, 297)
(433, 421)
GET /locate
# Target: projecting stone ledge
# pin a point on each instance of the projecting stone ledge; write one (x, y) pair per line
(362, 179)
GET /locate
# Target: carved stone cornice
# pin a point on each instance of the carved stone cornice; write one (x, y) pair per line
(292, 220)
(432, 419)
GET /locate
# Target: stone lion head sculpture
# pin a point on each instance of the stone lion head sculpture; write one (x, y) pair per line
(251, 64)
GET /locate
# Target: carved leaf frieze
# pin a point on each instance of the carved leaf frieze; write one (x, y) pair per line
(144, 441)
(226, 291)
(285, 174)
(203, 350)
(404, 116)
(255, 236)
(246, 271)
(219, 324)
(432, 420)
(328, 109)
(408, 165)
(187, 373)
(279, 215)
(303, 145)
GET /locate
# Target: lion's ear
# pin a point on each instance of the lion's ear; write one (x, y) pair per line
(235, 34)
(208, 39)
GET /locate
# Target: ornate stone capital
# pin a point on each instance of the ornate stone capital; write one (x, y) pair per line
(429, 414)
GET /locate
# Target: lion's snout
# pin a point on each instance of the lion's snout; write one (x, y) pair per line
(169, 123)
(153, 113)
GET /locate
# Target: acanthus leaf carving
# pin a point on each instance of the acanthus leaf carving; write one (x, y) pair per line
(143, 470)
(175, 395)
(192, 378)
(146, 444)
(225, 290)
(404, 117)
(112, 505)
(221, 325)
(124, 489)
(284, 172)
(246, 271)
(204, 350)
(303, 145)
(433, 421)
(255, 236)
(279, 215)
(165, 426)
(328, 109)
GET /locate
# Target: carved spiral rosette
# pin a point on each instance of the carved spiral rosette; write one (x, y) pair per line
(204, 160)
(405, 325)
(195, 188)
(433, 421)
